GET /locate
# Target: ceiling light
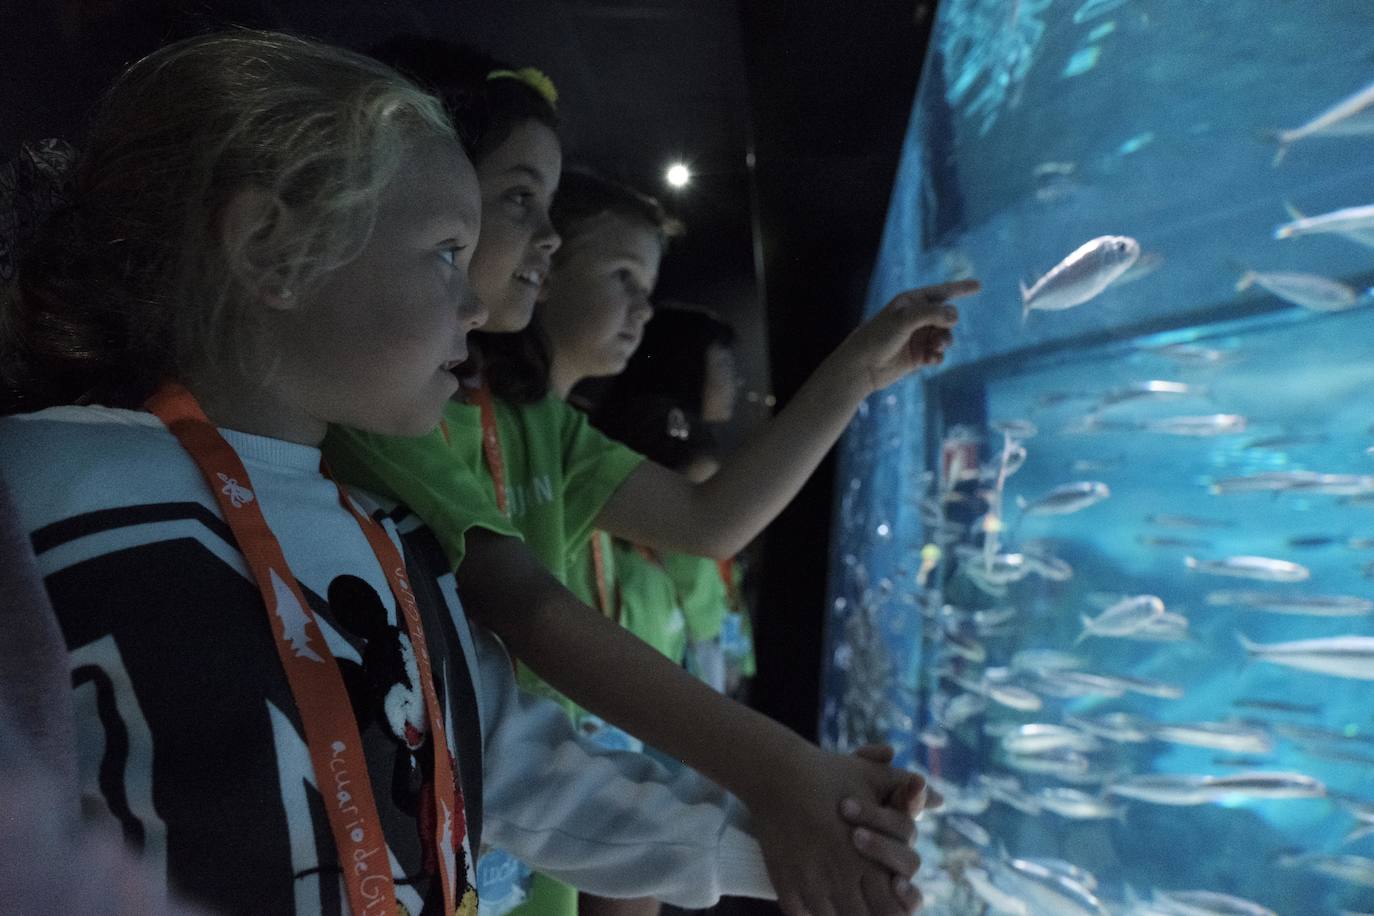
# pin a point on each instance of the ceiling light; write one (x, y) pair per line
(678, 175)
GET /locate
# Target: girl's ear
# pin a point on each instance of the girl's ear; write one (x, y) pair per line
(249, 224)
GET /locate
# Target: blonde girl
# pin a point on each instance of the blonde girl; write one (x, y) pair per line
(276, 696)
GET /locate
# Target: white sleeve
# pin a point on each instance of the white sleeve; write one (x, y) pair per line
(612, 823)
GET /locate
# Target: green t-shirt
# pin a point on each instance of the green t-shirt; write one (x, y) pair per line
(705, 601)
(650, 606)
(559, 472)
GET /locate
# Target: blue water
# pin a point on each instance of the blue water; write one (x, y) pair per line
(1031, 134)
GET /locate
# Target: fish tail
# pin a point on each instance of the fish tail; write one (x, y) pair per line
(1190, 562)
(1251, 648)
(1087, 631)
(1279, 153)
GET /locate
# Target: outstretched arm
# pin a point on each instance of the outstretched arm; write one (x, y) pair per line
(792, 789)
(662, 509)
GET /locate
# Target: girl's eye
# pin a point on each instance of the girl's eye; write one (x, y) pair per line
(520, 197)
(452, 255)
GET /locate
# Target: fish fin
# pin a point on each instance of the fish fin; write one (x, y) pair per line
(1087, 622)
(1021, 503)
(1246, 281)
(1251, 648)
(1293, 211)
(1279, 154)
(1190, 562)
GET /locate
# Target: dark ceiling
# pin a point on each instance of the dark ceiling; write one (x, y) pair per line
(791, 114)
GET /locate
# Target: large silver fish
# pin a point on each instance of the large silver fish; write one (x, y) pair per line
(1265, 569)
(1048, 891)
(1298, 482)
(1341, 656)
(1328, 122)
(1082, 275)
(1189, 789)
(1340, 222)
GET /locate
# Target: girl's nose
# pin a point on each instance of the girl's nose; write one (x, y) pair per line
(472, 311)
(547, 238)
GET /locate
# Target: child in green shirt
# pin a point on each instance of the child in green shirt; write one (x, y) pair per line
(792, 789)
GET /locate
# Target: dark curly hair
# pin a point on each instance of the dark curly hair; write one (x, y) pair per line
(485, 112)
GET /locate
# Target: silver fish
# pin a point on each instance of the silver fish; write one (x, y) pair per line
(1123, 618)
(1150, 688)
(1120, 727)
(1048, 891)
(1066, 499)
(1261, 784)
(1220, 736)
(1363, 237)
(1307, 290)
(1207, 903)
(1328, 121)
(1077, 805)
(1052, 763)
(1341, 656)
(934, 737)
(1217, 424)
(1264, 569)
(1072, 684)
(1008, 695)
(1039, 738)
(1081, 276)
(1151, 388)
(1307, 709)
(1007, 789)
(1307, 605)
(1045, 660)
(1068, 870)
(1189, 789)
(1341, 222)
(1015, 429)
(1164, 789)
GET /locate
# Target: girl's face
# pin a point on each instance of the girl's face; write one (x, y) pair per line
(718, 391)
(596, 301)
(374, 348)
(518, 180)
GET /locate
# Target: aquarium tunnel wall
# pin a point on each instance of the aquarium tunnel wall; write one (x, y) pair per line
(1104, 576)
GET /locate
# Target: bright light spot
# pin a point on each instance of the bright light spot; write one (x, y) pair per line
(679, 175)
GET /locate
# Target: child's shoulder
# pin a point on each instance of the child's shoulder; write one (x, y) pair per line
(57, 460)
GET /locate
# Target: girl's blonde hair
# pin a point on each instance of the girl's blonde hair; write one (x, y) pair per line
(134, 281)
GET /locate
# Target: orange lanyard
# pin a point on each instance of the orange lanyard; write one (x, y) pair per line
(606, 590)
(336, 749)
(726, 568)
(491, 444)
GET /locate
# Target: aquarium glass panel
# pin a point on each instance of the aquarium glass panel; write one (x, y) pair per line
(1107, 575)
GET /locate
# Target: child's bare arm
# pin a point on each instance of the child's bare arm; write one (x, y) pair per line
(662, 509)
(792, 789)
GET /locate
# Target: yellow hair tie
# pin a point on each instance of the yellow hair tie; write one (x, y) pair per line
(532, 77)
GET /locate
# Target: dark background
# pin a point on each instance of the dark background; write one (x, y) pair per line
(791, 115)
